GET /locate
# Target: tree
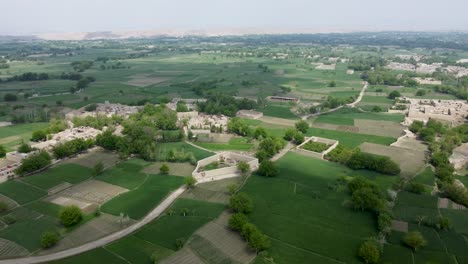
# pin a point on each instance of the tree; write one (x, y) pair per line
(267, 168)
(98, 168)
(190, 181)
(289, 134)
(49, 239)
(34, 162)
(414, 240)
(70, 215)
(420, 92)
(258, 241)
(241, 203)
(260, 132)
(298, 138)
(10, 97)
(369, 252)
(302, 126)
(24, 148)
(179, 243)
(181, 107)
(164, 169)
(38, 135)
(332, 83)
(3, 206)
(237, 221)
(394, 94)
(243, 167)
(366, 199)
(416, 126)
(2, 151)
(416, 187)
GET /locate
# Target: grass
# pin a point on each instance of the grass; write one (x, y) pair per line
(348, 139)
(95, 256)
(137, 250)
(234, 144)
(138, 202)
(165, 230)
(71, 173)
(126, 174)
(426, 177)
(45, 208)
(164, 148)
(11, 136)
(21, 192)
(278, 111)
(346, 117)
(298, 204)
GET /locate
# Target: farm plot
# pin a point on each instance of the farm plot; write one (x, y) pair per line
(223, 242)
(21, 192)
(163, 150)
(138, 202)
(410, 161)
(143, 80)
(95, 256)
(175, 168)
(277, 121)
(11, 136)
(183, 256)
(9, 249)
(240, 144)
(295, 206)
(215, 191)
(346, 116)
(70, 173)
(136, 250)
(347, 139)
(125, 175)
(411, 143)
(9, 202)
(90, 231)
(278, 111)
(90, 158)
(93, 191)
(379, 128)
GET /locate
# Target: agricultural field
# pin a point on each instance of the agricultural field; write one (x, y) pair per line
(240, 144)
(11, 136)
(63, 173)
(296, 205)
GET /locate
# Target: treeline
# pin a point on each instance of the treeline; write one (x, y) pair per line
(29, 76)
(81, 66)
(441, 149)
(459, 92)
(34, 162)
(357, 160)
(71, 147)
(218, 103)
(362, 63)
(385, 77)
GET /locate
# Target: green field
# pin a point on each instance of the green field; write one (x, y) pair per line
(95, 256)
(233, 144)
(164, 148)
(278, 111)
(347, 116)
(138, 202)
(293, 208)
(349, 139)
(126, 174)
(21, 192)
(11, 136)
(71, 173)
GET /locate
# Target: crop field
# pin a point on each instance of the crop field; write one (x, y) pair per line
(136, 250)
(92, 191)
(240, 144)
(138, 202)
(126, 175)
(95, 256)
(54, 176)
(10, 249)
(164, 148)
(175, 168)
(278, 111)
(11, 136)
(410, 161)
(215, 191)
(295, 206)
(90, 159)
(348, 139)
(426, 177)
(347, 117)
(21, 192)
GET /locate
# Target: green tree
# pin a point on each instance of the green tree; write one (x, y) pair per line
(34, 162)
(98, 169)
(241, 203)
(302, 126)
(298, 138)
(70, 215)
(267, 168)
(3, 206)
(190, 181)
(38, 135)
(49, 239)
(2, 151)
(415, 240)
(10, 97)
(237, 221)
(24, 148)
(394, 94)
(243, 167)
(289, 134)
(164, 169)
(260, 132)
(332, 83)
(369, 252)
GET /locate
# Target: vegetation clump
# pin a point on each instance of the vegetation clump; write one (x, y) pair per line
(70, 215)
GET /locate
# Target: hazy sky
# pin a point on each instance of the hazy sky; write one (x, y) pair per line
(44, 16)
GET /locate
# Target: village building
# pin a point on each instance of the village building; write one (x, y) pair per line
(82, 132)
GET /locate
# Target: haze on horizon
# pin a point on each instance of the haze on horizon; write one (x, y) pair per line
(24, 17)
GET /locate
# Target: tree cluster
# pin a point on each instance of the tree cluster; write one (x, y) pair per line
(71, 147)
(34, 162)
(219, 103)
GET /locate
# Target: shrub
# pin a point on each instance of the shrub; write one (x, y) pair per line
(164, 169)
(39, 135)
(302, 126)
(9, 219)
(289, 134)
(414, 240)
(34, 162)
(416, 126)
(190, 181)
(243, 167)
(415, 187)
(237, 221)
(3, 206)
(394, 94)
(98, 168)
(267, 168)
(241, 203)
(2, 151)
(24, 148)
(369, 252)
(179, 243)
(298, 138)
(49, 239)
(70, 215)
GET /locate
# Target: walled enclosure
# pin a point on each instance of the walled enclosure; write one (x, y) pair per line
(319, 155)
(221, 173)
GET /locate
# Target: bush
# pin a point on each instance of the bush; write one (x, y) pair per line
(241, 203)
(3, 207)
(24, 148)
(416, 126)
(237, 221)
(298, 138)
(34, 162)
(414, 240)
(289, 134)
(164, 169)
(267, 168)
(179, 243)
(190, 181)
(369, 252)
(98, 168)
(243, 167)
(415, 187)
(39, 135)
(70, 215)
(71, 147)
(394, 94)
(2, 151)
(302, 126)
(254, 237)
(360, 160)
(49, 239)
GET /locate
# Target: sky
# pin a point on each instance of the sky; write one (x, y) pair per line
(23, 17)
